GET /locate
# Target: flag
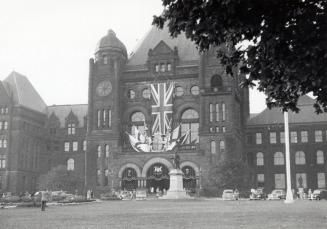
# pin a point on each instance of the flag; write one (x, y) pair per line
(183, 139)
(137, 145)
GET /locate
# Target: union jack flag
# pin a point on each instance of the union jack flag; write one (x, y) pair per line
(163, 106)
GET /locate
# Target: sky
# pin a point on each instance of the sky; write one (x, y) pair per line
(51, 41)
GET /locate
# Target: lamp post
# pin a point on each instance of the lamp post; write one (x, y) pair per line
(111, 174)
(289, 194)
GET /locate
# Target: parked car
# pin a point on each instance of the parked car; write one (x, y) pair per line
(277, 194)
(257, 194)
(318, 194)
(229, 194)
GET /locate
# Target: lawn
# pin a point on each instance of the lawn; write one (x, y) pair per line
(156, 214)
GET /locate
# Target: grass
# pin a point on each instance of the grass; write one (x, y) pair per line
(171, 214)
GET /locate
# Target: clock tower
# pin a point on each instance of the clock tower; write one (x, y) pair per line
(104, 124)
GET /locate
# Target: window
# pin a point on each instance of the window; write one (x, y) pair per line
(321, 180)
(272, 136)
(84, 145)
(293, 137)
(99, 152)
(279, 158)
(66, 146)
(137, 121)
(216, 82)
(318, 136)
(210, 112)
(320, 157)
(213, 147)
(5, 125)
(223, 109)
(1, 125)
(162, 67)
(71, 128)
(2, 161)
(195, 90)
(107, 151)
(304, 136)
(223, 129)
(280, 181)
(179, 91)
(168, 67)
(99, 118)
(105, 59)
(211, 129)
(104, 116)
(261, 180)
(131, 94)
(299, 158)
(222, 146)
(260, 160)
(70, 164)
(217, 112)
(6, 110)
(217, 129)
(301, 180)
(146, 93)
(282, 137)
(75, 146)
(190, 123)
(258, 138)
(4, 143)
(156, 67)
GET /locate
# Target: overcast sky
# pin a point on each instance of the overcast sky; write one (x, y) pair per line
(51, 41)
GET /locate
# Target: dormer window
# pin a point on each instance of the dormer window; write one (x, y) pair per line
(71, 128)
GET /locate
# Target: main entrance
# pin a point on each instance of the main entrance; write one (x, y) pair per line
(157, 178)
(129, 179)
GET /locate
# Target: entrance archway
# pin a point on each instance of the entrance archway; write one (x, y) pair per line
(189, 179)
(157, 177)
(129, 179)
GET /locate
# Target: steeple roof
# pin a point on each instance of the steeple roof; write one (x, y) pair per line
(23, 93)
(110, 42)
(187, 50)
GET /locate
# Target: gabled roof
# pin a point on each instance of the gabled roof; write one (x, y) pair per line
(186, 49)
(275, 116)
(23, 92)
(63, 111)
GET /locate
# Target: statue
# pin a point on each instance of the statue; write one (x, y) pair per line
(176, 160)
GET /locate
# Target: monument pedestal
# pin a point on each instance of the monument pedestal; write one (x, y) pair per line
(176, 190)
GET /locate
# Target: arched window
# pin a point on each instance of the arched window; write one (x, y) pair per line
(222, 146)
(190, 126)
(213, 147)
(70, 164)
(131, 94)
(278, 158)
(216, 82)
(320, 157)
(299, 158)
(107, 151)
(137, 121)
(99, 151)
(260, 160)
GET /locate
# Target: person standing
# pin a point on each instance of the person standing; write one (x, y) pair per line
(44, 198)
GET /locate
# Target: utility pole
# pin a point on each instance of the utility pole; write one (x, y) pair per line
(289, 194)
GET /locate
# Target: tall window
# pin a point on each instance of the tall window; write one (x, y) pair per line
(99, 152)
(75, 145)
(107, 151)
(5, 125)
(301, 180)
(210, 112)
(138, 120)
(318, 136)
(222, 146)
(190, 123)
(272, 137)
(99, 118)
(261, 180)
(260, 160)
(2, 161)
(216, 82)
(321, 180)
(282, 137)
(84, 145)
(70, 164)
(304, 136)
(279, 158)
(280, 181)
(71, 128)
(293, 137)
(320, 157)
(213, 147)
(105, 59)
(1, 125)
(258, 138)
(66, 146)
(299, 158)
(104, 117)
(217, 112)
(223, 109)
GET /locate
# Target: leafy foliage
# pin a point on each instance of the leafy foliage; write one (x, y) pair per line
(287, 41)
(59, 178)
(231, 174)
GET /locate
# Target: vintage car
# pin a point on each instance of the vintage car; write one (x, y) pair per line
(229, 194)
(277, 194)
(257, 194)
(318, 194)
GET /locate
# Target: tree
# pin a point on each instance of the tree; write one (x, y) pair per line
(227, 174)
(59, 178)
(286, 55)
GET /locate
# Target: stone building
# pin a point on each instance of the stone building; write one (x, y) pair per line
(165, 85)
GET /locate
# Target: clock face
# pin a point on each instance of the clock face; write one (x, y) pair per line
(104, 88)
